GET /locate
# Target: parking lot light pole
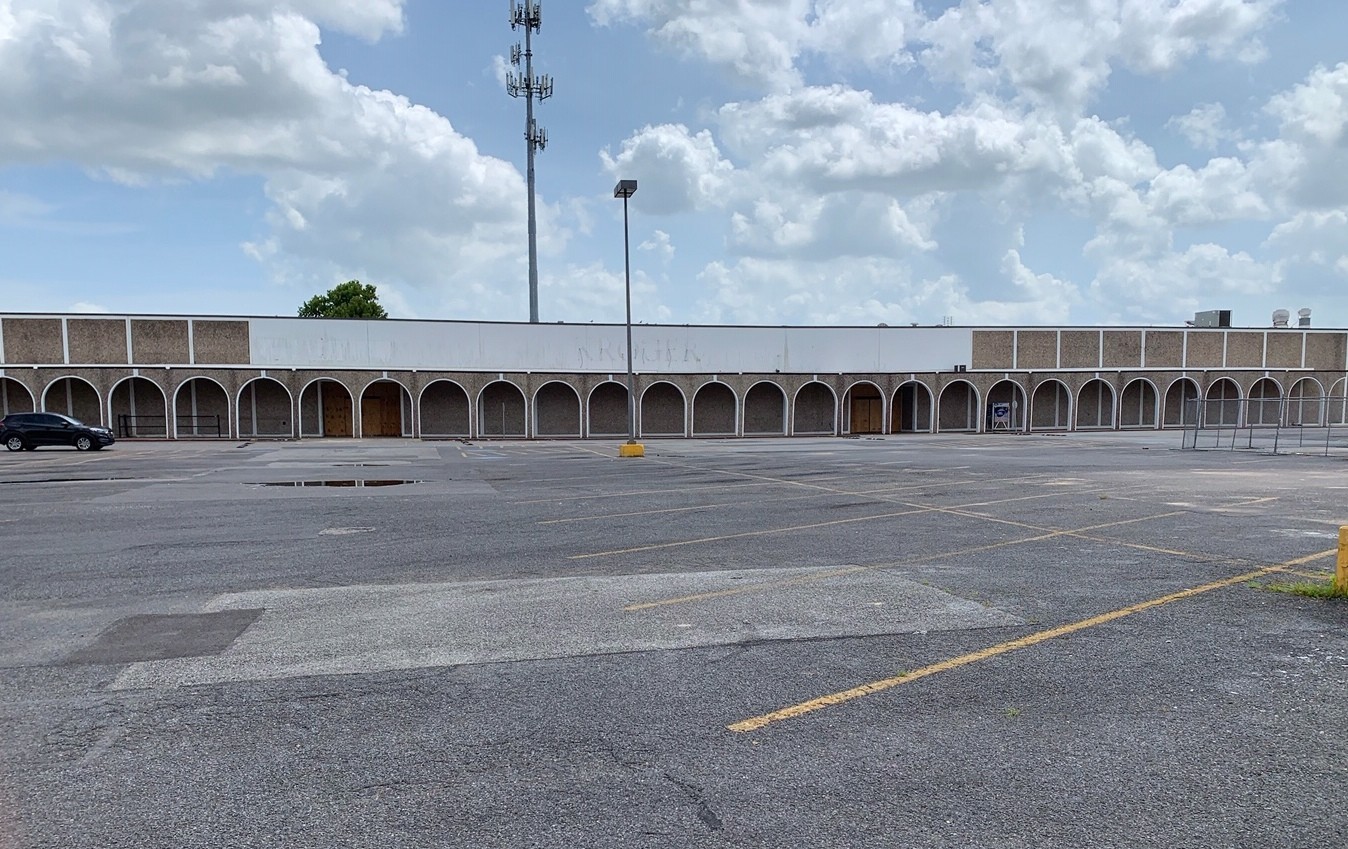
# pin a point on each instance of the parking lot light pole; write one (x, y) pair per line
(625, 189)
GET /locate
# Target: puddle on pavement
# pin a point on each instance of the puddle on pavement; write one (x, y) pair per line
(337, 483)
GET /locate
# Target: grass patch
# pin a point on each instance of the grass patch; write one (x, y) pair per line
(1309, 589)
(1011, 712)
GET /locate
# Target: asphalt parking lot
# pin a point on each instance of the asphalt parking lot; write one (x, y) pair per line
(919, 641)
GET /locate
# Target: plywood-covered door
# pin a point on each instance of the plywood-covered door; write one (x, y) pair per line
(336, 412)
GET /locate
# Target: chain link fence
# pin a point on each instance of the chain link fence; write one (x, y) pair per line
(1299, 425)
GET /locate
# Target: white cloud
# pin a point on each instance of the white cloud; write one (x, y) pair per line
(659, 244)
(676, 170)
(1204, 126)
(1061, 54)
(757, 41)
(148, 90)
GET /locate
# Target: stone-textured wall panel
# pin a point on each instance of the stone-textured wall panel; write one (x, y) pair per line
(993, 349)
(765, 409)
(1123, 349)
(1284, 349)
(156, 341)
(1245, 349)
(558, 410)
(1165, 349)
(220, 342)
(714, 410)
(663, 409)
(33, 341)
(97, 341)
(1324, 351)
(15, 397)
(445, 407)
(1080, 349)
(1037, 349)
(1204, 350)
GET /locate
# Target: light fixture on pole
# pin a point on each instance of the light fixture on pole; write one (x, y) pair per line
(625, 189)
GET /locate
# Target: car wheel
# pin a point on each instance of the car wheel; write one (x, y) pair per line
(83, 442)
(14, 442)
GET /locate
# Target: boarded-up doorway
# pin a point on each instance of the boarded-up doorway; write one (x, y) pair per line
(381, 410)
(866, 409)
(336, 410)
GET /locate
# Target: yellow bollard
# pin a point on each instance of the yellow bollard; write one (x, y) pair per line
(1341, 573)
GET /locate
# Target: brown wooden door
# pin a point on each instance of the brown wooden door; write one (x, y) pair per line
(336, 413)
(867, 415)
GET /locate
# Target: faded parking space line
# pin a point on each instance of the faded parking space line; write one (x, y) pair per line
(924, 558)
(803, 708)
(914, 509)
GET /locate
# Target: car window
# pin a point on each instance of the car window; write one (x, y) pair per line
(48, 419)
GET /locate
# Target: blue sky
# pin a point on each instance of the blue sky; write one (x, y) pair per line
(800, 161)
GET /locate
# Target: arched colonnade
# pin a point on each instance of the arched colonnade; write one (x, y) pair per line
(263, 405)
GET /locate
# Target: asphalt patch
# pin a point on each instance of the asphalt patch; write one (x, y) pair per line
(163, 636)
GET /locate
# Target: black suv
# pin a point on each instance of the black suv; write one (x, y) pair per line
(27, 431)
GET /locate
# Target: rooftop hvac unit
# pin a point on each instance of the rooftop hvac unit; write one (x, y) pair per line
(1212, 318)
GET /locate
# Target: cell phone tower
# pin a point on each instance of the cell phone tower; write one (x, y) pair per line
(529, 17)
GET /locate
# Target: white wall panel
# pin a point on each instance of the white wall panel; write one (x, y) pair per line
(660, 349)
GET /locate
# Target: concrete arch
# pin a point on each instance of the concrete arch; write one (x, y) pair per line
(814, 410)
(765, 409)
(1306, 403)
(502, 410)
(663, 409)
(1336, 405)
(1222, 403)
(715, 410)
(1138, 407)
(325, 411)
(864, 408)
(1182, 402)
(75, 397)
(1264, 403)
(1011, 393)
(11, 401)
(385, 409)
(1051, 406)
(264, 407)
(136, 411)
(606, 409)
(445, 409)
(201, 410)
(912, 409)
(957, 408)
(557, 410)
(1095, 405)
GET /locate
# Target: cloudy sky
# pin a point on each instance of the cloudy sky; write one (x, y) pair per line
(799, 161)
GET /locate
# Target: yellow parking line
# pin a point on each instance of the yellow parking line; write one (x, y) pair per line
(758, 722)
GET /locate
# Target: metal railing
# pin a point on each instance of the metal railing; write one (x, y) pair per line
(1301, 424)
(131, 426)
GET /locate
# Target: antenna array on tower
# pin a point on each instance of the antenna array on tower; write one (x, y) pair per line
(528, 16)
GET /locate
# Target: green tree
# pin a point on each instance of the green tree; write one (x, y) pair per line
(351, 299)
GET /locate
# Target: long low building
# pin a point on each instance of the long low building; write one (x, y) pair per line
(209, 376)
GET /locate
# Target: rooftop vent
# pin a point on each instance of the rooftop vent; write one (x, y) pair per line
(1304, 317)
(1281, 317)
